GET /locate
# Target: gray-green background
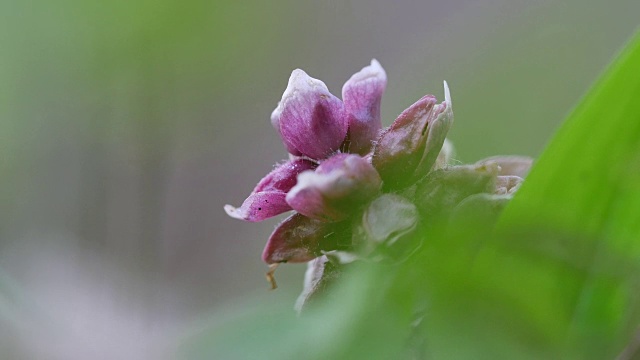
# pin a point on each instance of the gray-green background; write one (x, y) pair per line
(126, 126)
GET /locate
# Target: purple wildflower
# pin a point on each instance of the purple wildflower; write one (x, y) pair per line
(355, 187)
(316, 128)
(321, 183)
(313, 125)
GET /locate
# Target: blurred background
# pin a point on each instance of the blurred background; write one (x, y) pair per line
(126, 126)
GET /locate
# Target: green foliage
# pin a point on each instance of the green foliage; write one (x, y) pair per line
(585, 192)
(559, 279)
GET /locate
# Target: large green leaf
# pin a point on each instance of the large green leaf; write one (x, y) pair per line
(587, 180)
(576, 220)
(558, 281)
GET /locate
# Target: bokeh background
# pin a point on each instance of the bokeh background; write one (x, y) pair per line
(125, 126)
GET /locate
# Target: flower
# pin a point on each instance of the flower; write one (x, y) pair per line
(334, 168)
(355, 187)
(314, 125)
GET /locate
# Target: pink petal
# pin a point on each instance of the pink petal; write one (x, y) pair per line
(310, 119)
(296, 239)
(362, 95)
(268, 197)
(335, 189)
(275, 121)
(283, 177)
(260, 206)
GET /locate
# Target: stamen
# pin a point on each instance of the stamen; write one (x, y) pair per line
(270, 277)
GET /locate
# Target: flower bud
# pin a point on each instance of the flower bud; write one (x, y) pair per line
(408, 149)
(387, 219)
(443, 189)
(510, 164)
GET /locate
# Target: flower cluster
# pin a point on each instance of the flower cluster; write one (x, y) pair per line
(355, 186)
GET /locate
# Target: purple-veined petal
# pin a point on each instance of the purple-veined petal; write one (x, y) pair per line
(275, 121)
(335, 189)
(268, 197)
(297, 239)
(260, 206)
(362, 95)
(283, 177)
(310, 119)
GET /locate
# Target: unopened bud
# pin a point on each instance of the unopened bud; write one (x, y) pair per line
(443, 189)
(385, 221)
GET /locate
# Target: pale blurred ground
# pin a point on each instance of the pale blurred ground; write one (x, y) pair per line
(126, 126)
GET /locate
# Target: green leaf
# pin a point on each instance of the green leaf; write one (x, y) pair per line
(345, 327)
(560, 278)
(583, 200)
(586, 181)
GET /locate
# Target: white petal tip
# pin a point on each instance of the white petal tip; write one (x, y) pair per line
(373, 71)
(300, 81)
(447, 94)
(275, 117)
(298, 78)
(297, 73)
(375, 65)
(233, 212)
